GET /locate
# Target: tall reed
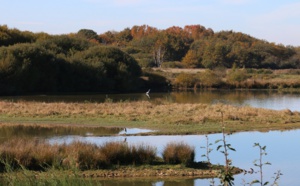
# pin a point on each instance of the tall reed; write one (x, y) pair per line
(180, 153)
(40, 155)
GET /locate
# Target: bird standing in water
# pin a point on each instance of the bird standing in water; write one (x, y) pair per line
(147, 93)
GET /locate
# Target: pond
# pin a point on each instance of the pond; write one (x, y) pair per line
(270, 99)
(282, 146)
(282, 151)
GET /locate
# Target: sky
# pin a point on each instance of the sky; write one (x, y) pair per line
(275, 21)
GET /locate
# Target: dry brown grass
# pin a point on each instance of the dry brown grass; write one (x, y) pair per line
(240, 78)
(164, 116)
(40, 155)
(32, 154)
(179, 70)
(178, 153)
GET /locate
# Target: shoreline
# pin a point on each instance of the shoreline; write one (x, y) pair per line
(163, 117)
(174, 119)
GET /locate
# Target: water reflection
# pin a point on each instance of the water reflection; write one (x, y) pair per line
(257, 98)
(29, 131)
(149, 182)
(130, 131)
(52, 131)
(282, 149)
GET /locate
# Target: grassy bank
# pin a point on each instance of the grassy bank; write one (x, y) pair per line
(235, 78)
(132, 175)
(165, 117)
(23, 161)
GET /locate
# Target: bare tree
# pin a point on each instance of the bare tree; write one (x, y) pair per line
(159, 53)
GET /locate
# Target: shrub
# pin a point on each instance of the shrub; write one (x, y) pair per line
(178, 153)
(143, 154)
(209, 78)
(85, 156)
(116, 152)
(121, 153)
(186, 80)
(236, 76)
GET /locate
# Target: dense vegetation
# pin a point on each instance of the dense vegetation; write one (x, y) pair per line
(113, 61)
(65, 64)
(195, 46)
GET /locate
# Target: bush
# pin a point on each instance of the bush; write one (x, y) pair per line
(236, 76)
(84, 156)
(185, 80)
(116, 152)
(178, 153)
(143, 154)
(121, 153)
(210, 79)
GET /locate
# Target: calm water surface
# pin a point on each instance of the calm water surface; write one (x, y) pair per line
(282, 147)
(256, 98)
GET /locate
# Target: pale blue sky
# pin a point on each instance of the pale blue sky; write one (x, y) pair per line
(272, 20)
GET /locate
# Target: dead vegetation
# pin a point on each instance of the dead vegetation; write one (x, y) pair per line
(167, 117)
(41, 155)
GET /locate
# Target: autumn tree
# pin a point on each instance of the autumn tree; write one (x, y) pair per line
(138, 32)
(197, 31)
(191, 60)
(108, 38)
(124, 37)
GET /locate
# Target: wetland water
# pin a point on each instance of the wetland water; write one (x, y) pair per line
(282, 146)
(256, 98)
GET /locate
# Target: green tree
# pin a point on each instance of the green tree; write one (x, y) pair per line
(115, 69)
(65, 46)
(27, 68)
(87, 34)
(13, 36)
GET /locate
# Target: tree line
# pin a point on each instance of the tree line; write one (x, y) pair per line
(195, 46)
(44, 63)
(112, 61)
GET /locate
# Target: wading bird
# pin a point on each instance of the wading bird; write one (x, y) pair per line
(147, 93)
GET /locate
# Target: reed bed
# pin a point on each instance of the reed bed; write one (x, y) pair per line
(40, 155)
(178, 153)
(167, 117)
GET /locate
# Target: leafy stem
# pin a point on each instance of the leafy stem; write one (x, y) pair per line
(260, 164)
(226, 175)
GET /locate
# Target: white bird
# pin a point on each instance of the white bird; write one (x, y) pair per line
(147, 93)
